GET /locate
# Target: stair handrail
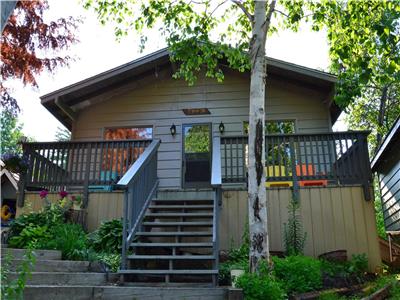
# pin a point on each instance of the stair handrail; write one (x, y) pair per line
(216, 182)
(139, 184)
(216, 177)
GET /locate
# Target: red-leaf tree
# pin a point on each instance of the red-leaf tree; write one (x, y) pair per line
(30, 45)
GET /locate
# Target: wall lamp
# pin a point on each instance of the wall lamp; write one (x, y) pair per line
(221, 127)
(172, 129)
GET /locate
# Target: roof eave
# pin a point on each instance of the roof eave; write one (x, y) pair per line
(385, 144)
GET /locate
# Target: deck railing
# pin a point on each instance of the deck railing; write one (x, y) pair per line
(335, 158)
(95, 165)
(140, 184)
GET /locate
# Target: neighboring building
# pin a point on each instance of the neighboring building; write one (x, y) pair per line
(9, 188)
(386, 164)
(183, 141)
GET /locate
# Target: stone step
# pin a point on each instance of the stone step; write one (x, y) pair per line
(179, 215)
(60, 266)
(184, 206)
(40, 254)
(174, 233)
(163, 224)
(171, 257)
(68, 278)
(54, 292)
(170, 272)
(173, 245)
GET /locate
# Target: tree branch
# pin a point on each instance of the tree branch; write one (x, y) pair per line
(271, 9)
(282, 13)
(244, 9)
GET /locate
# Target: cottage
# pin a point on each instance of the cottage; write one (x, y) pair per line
(171, 160)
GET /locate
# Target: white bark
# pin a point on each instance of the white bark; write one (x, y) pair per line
(259, 243)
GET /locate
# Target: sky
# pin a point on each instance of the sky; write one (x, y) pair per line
(99, 51)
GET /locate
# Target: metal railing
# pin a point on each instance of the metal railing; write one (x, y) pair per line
(90, 164)
(140, 184)
(335, 158)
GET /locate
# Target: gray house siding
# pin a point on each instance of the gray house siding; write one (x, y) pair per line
(159, 103)
(389, 180)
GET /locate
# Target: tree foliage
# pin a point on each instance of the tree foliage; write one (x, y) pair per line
(11, 133)
(364, 40)
(30, 44)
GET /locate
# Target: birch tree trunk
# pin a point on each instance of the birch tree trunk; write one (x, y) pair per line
(259, 243)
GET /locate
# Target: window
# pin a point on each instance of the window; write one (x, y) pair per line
(117, 161)
(275, 127)
(134, 133)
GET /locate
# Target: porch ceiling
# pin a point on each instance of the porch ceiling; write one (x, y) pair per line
(147, 65)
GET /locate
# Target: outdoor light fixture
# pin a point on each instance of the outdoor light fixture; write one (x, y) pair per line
(221, 127)
(173, 129)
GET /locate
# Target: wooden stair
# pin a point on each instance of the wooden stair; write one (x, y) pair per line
(174, 244)
(394, 261)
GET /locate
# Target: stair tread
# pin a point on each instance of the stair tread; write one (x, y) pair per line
(172, 206)
(177, 223)
(194, 245)
(184, 200)
(179, 214)
(173, 233)
(172, 257)
(161, 272)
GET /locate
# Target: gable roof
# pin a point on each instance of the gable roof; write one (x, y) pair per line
(12, 177)
(389, 141)
(95, 85)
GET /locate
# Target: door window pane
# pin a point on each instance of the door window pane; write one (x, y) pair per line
(197, 139)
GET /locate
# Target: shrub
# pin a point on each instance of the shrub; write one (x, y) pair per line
(32, 236)
(49, 216)
(112, 260)
(358, 264)
(299, 273)
(356, 267)
(238, 258)
(260, 287)
(70, 239)
(108, 237)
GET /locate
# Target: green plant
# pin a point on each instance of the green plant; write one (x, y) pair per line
(112, 260)
(358, 264)
(293, 236)
(260, 287)
(108, 237)
(349, 272)
(32, 236)
(13, 289)
(71, 240)
(299, 273)
(238, 258)
(49, 216)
